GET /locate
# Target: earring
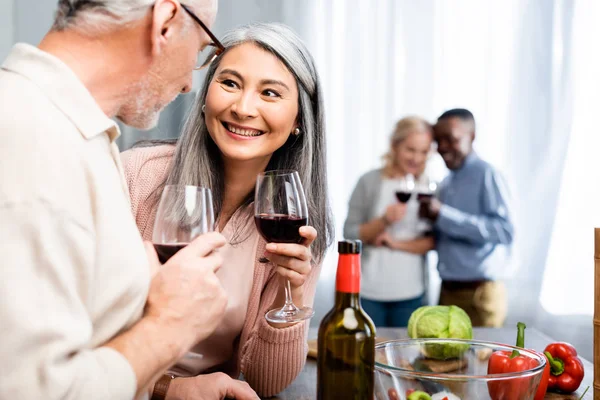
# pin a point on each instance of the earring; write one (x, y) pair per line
(296, 132)
(203, 107)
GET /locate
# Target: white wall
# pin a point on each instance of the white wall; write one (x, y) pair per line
(6, 27)
(32, 19)
(24, 21)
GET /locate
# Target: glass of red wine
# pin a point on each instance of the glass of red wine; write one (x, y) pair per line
(407, 185)
(279, 211)
(425, 192)
(184, 213)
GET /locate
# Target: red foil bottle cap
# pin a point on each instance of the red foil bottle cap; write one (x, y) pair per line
(348, 270)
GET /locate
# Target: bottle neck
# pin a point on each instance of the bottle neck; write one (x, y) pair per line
(347, 300)
(347, 283)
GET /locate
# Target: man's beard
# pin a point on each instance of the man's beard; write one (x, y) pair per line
(141, 111)
(142, 121)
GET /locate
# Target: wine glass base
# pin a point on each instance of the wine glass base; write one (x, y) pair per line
(280, 316)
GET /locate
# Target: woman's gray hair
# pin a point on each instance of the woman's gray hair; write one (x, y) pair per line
(197, 160)
(95, 16)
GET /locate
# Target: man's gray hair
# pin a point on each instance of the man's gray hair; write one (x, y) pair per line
(99, 15)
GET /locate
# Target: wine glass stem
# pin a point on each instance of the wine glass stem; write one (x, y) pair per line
(289, 304)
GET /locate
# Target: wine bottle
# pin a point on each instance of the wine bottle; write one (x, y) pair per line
(346, 343)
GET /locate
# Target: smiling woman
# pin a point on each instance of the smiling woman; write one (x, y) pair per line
(260, 109)
(383, 213)
(251, 106)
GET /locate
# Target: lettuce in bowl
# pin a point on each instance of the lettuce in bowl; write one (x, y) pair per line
(441, 322)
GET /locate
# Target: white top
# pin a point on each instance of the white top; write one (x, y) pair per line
(74, 269)
(394, 275)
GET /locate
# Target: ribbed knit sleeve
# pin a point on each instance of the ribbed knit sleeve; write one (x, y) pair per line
(145, 169)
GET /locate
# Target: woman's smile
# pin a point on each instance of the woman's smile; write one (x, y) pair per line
(239, 132)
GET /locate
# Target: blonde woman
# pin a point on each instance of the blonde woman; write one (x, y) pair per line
(393, 283)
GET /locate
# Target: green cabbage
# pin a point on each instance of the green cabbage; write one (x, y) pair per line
(441, 322)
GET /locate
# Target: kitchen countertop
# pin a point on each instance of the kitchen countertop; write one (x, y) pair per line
(305, 385)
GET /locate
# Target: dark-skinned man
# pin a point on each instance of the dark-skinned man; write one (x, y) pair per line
(472, 224)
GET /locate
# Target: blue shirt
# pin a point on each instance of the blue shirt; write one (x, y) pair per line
(473, 231)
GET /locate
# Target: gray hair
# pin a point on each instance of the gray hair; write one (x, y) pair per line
(197, 160)
(99, 15)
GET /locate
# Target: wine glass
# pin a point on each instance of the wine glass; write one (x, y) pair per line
(405, 189)
(184, 213)
(279, 211)
(426, 189)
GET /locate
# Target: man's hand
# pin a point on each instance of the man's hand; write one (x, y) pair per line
(430, 208)
(185, 294)
(215, 386)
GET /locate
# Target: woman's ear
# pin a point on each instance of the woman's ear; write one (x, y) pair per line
(163, 17)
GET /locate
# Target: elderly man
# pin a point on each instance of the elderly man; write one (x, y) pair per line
(473, 228)
(81, 315)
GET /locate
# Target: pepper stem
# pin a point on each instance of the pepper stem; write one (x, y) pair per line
(557, 366)
(582, 396)
(520, 339)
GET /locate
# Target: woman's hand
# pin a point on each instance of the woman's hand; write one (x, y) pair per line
(215, 386)
(394, 213)
(386, 240)
(383, 239)
(294, 263)
(419, 245)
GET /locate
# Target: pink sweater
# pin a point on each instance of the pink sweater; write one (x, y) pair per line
(269, 358)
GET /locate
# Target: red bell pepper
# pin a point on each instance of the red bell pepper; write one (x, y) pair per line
(565, 366)
(505, 362)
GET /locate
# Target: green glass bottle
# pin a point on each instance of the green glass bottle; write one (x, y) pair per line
(346, 343)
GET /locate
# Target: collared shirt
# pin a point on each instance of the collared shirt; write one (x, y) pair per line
(474, 231)
(74, 269)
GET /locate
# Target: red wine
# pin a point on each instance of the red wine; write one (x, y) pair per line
(424, 196)
(279, 228)
(403, 197)
(166, 251)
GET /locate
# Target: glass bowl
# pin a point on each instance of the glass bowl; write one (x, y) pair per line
(458, 371)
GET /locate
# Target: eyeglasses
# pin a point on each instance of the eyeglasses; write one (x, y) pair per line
(204, 55)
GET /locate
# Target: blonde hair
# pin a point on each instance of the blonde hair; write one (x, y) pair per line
(404, 128)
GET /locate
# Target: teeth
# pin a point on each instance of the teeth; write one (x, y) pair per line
(243, 132)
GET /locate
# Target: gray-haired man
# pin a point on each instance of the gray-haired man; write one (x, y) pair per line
(82, 315)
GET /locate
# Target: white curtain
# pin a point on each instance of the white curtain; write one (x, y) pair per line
(568, 285)
(524, 68)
